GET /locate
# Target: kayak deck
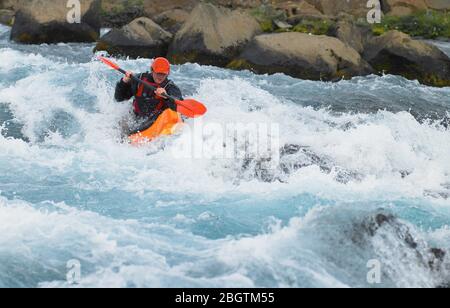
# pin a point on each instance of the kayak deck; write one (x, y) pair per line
(166, 124)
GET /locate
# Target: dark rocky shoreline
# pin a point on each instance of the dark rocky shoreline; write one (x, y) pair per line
(309, 39)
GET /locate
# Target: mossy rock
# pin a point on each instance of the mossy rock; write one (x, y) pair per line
(183, 58)
(25, 38)
(436, 80)
(412, 72)
(313, 57)
(7, 17)
(398, 54)
(239, 64)
(267, 26)
(266, 15)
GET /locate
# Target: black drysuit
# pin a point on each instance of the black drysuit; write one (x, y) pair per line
(146, 106)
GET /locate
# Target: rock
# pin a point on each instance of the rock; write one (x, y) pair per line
(303, 8)
(351, 34)
(141, 38)
(8, 4)
(117, 18)
(282, 25)
(156, 7)
(172, 20)
(7, 17)
(301, 55)
(438, 4)
(401, 11)
(438, 258)
(40, 22)
(241, 3)
(402, 237)
(357, 8)
(403, 7)
(213, 36)
(373, 223)
(398, 54)
(292, 159)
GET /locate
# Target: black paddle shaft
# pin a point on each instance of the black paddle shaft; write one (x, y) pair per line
(147, 85)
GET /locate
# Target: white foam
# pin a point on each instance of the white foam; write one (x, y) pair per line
(12, 59)
(378, 146)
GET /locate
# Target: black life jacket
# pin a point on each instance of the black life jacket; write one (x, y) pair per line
(146, 103)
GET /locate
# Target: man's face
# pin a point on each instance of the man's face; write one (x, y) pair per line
(159, 77)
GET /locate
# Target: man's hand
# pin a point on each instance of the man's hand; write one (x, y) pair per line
(127, 78)
(161, 92)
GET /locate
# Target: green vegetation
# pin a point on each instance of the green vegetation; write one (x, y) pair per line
(427, 24)
(317, 27)
(266, 14)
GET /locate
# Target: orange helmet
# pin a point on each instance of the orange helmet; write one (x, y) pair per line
(161, 66)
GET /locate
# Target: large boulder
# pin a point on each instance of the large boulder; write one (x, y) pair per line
(213, 35)
(40, 22)
(351, 34)
(315, 57)
(172, 20)
(141, 38)
(6, 17)
(398, 54)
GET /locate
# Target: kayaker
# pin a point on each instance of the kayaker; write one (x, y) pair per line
(148, 105)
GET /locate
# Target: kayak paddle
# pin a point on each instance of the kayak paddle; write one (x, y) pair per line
(189, 107)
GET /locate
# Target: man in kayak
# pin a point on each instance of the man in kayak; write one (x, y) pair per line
(148, 105)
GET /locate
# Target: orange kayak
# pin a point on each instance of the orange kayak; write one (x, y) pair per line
(165, 125)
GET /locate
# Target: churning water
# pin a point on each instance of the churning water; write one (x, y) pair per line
(365, 176)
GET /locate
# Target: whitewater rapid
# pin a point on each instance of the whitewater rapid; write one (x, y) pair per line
(141, 217)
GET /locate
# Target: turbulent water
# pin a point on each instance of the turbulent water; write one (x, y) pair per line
(366, 179)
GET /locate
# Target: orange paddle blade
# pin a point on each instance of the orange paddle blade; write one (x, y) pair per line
(109, 63)
(191, 108)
